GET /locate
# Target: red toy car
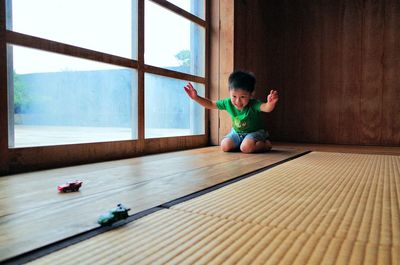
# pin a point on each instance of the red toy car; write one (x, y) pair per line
(70, 186)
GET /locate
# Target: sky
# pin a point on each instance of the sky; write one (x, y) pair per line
(107, 29)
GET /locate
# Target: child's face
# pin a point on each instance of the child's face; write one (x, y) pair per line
(239, 97)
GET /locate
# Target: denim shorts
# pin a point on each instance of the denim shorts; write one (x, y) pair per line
(238, 138)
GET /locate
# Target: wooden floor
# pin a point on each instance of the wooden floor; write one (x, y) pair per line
(34, 214)
(320, 208)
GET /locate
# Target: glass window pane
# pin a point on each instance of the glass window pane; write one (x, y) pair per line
(56, 99)
(102, 25)
(173, 42)
(168, 109)
(196, 7)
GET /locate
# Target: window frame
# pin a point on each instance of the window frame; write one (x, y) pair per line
(15, 160)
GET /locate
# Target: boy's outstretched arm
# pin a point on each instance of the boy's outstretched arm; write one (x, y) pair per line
(272, 99)
(192, 93)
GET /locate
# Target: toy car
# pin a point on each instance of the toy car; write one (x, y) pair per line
(70, 186)
(114, 215)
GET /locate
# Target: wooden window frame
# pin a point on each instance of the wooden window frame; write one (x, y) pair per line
(15, 160)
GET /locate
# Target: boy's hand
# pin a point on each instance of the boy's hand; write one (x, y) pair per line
(192, 93)
(273, 97)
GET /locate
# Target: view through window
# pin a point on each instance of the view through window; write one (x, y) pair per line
(57, 99)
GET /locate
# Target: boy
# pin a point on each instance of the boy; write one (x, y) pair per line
(247, 132)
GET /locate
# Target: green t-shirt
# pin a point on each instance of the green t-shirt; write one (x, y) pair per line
(245, 120)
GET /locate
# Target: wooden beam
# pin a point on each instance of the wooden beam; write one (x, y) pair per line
(207, 66)
(221, 63)
(173, 74)
(226, 54)
(214, 34)
(66, 49)
(3, 92)
(141, 84)
(180, 11)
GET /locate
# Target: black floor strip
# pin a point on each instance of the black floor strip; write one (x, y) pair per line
(45, 250)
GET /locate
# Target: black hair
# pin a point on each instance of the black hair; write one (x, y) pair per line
(242, 80)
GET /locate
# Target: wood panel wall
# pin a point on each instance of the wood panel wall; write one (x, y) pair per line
(335, 63)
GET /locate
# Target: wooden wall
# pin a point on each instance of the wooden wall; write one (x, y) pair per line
(335, 63)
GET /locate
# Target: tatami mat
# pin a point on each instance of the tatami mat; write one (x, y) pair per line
(340, 195)
(322, 208)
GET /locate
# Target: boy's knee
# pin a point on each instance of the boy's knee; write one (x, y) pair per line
(225, 148)
(227, 145)
(247, 147)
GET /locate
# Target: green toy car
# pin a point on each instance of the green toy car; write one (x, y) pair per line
(114, 215)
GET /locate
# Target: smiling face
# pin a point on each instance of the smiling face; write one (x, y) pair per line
(239, 97)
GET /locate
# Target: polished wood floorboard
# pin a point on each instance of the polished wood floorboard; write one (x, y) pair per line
(34, 214)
